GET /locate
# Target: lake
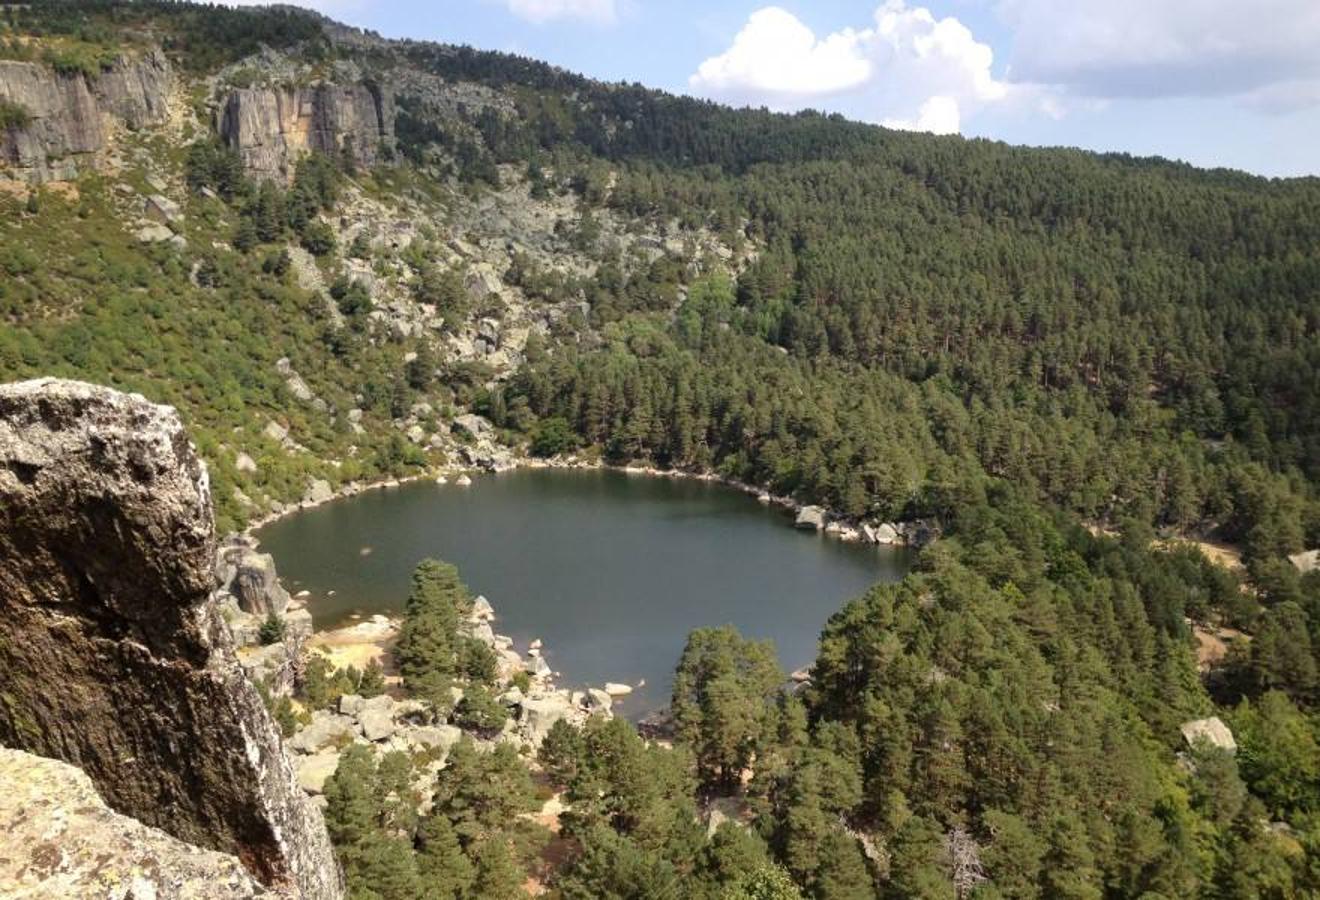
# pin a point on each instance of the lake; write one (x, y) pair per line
(610, 570)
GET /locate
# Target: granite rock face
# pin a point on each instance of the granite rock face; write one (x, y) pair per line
(71, 116)
(61, 840)
(271, 127)
(113, 655)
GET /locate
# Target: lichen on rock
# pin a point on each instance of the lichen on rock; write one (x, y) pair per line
(61, 840)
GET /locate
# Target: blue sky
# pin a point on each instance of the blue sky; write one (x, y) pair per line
(1213, 82)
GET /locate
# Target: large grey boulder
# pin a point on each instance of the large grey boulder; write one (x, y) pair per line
(324, 729)
(1212, 731)
(162, 208)
(318, 491)
(538, 667)
(537, 715)
(251, 577)
(474, 425)
(886, 533)
(1307, 561)
(276, 666)
(376, 717)
(377, 724)
(810, 518)
(597, 700)
(482, 631)
(113, 654)
(441, 738)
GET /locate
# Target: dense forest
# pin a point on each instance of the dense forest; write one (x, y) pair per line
(1065, 361)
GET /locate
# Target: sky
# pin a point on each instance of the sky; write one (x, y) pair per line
(1232, 83)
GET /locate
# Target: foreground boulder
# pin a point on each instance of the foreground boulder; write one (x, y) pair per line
(72, 845)
(113, 655)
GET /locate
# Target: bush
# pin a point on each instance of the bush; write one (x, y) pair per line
(480, 711)
(13, 115)
(551, 437)
(372, 682)
(317, 238)
(272, 630)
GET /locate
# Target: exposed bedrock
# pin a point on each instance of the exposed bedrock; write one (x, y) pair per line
(113, 656)
(66, 117)
(271, 127)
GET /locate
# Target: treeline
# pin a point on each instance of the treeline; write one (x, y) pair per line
(201, 37)
(702, 393)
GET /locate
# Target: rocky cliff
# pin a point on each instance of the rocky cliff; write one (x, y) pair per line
(61, 840)
(270, 127)
(70, 116)
(113, 656)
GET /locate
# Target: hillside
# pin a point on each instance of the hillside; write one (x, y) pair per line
(346, 259)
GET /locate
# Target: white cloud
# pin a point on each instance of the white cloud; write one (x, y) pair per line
(775, 56)
(1264, 51)
(907, 69)
(938, 115)
(601, 12)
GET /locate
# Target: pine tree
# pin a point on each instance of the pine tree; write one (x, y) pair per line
(498, 875)
(444, 868)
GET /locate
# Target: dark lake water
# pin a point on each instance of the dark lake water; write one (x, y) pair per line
(610, 570)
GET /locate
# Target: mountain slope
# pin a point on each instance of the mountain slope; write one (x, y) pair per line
(332, 245)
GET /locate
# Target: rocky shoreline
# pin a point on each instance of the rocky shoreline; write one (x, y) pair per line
(807, 517)
(249, 592)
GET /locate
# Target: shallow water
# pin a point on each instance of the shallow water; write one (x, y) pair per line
(610, 570)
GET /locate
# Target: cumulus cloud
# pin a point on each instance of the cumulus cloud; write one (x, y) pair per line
(1264, 51)
(601, 12)
(775, 57)
(906, 69)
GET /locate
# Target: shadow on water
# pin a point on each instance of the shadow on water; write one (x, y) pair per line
(610, 570)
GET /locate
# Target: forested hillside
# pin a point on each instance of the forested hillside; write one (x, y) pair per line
(1066, 361)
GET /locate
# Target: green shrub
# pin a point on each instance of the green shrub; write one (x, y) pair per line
(13, 115)
(272, 630)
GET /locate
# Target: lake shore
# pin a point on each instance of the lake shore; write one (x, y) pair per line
(832, 524)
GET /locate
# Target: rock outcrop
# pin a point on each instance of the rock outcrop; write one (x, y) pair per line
(70, 116)
(1212, 731)
(61, 840)
(810, 518)
(113, 655)
(250, 577)
(271, 127)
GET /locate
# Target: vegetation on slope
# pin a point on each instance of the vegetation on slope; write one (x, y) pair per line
(1008, 341)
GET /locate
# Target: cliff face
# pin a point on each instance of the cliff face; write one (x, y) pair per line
(62, 841)
(113, 656)
(270, 127)
(71, 116)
